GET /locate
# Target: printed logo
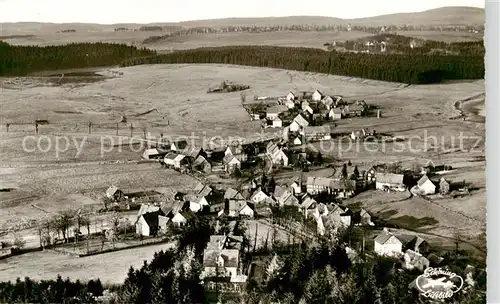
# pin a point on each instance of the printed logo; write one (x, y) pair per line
(437, 283)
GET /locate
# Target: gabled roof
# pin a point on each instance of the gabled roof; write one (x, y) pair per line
(312, 130)
(301, 121)
(236, 205)
(308, 202)
(230, 257)
(291, 201)
(171, 155)
(256, 192)
(389, 178)
(319, 92)
(179, 157)
(171, 208)
(111, 190)
(230, 158)
(180, 144)
(151, 218)
(191, 151)
(200, 160)
(383, 237)
(327, 100)
(422, 180)
(277, 109)
(188, 215)
(336, 110)
(205, 191)
(231, 193)
(147, 208)
(152, 151)
(280, 191)
(443, 180)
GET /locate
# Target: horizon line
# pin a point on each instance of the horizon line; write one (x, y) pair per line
(262, 17)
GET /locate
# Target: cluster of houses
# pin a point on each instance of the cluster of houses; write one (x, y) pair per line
(412, 250)
(309, 108)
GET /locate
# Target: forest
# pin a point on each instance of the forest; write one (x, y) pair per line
(410, 69)
(23, 60)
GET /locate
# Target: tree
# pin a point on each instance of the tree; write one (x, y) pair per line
(19, 242)
(272, 184)
(63, 222)
(356, 171)
(344, 171)
(320, 158)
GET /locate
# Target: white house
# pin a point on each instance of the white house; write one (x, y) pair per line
(151, 223)
(175, 160)
(151, 154)
(181, 218)
(358, 134)
(276, 154)
(237, 208)
(295, 186)
(231, 163)
(276, 122)
(290, 96)
(387, 244)
(384, 181)
(299, 122)
(220, 262)
(197, 203)
(426, 186)
(258, 196)
(335, 114)
(317, 95)
(327, 101)
(274, 111)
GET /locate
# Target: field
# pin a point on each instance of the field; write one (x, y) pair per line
(172, 99)
(110, 268)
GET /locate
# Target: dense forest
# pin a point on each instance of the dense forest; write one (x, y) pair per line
(22, 60)
(412, 69)
(305, 273)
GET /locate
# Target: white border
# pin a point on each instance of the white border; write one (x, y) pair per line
(492, 65)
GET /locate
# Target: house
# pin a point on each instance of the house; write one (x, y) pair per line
(444, 186)
(258, 196)
(337, 187)
(335, 114)
(370, 174)
(317, 95)
(307, 203)
(284, 196)
(178, 145)
(359, 134)
(414, 260)
(153, 153)
(387, 244)
(356, 109)
(276, 154)
(415, 243)
(327, 101)
(202, 164)
(290, 96)
(147, 208)
(384, 181)
(298, 123)
(191, 151)
(430, 167)
(196, 203)
(315, 185)
(220, 262)
(306, 108)
(362, 217)
(114, 193)
(175, 160)
(274, 111)
(217, 242)
(317, 132)
(275, 123)
(151, 224)
(297, 141)
(336, 217)
(231, 163)
(235, 208)
(171, 208)
(232, 194)
(183, 217)
(296, 187)
(426, 186)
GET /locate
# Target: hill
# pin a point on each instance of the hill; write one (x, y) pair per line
(440, 16)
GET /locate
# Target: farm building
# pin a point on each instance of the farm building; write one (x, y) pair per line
(384, 181)
(387, 244)
(327, 101)
(414, 243)
(317, 132)
(191, 151)
(356, 109)
(306, 108)
(153, 153)
(175, 160)
(317, 95)
(235, 208)
(183, 217)
(315, 185)
(337, 187)
(275, 123)
(196, 202)
(114, 193)
(426, 186)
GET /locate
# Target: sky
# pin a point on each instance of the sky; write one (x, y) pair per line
(149, 11)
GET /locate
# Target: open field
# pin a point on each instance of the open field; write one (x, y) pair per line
(108, 267)
(283, 38)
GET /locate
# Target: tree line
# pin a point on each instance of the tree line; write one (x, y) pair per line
(22, 60)
(411, 69)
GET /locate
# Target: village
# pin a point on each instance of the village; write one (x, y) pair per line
(307, 207)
